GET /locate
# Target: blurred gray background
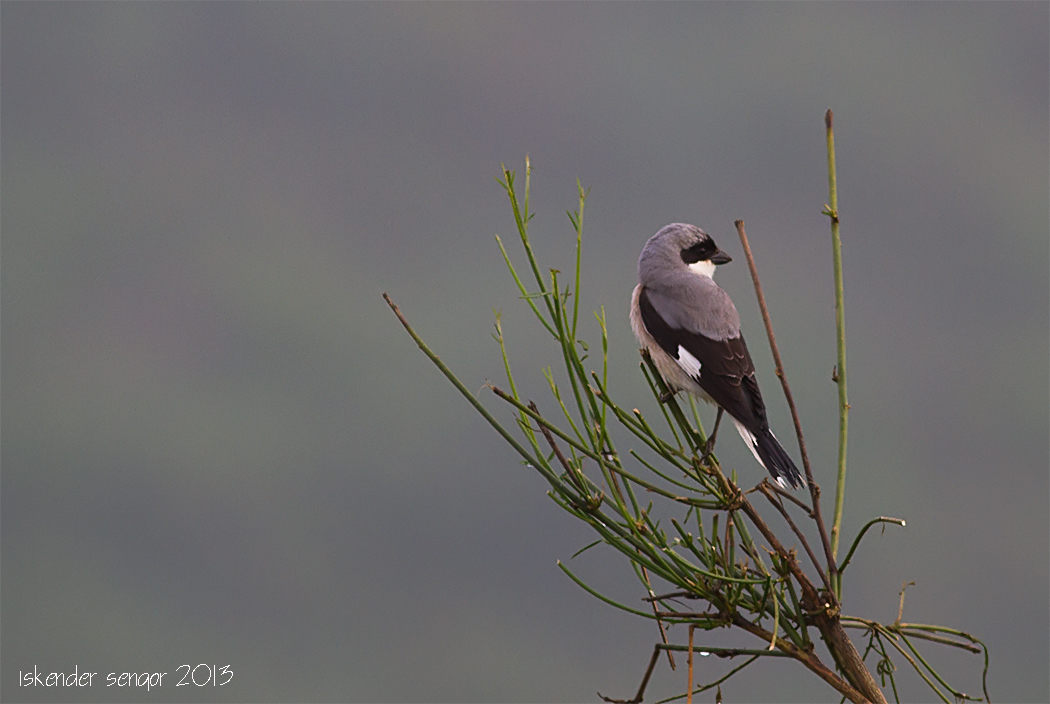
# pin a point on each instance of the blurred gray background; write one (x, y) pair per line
(219, 446)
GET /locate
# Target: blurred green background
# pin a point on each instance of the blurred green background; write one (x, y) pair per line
(219, 446)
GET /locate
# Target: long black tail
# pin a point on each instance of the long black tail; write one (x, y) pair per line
(777, 462)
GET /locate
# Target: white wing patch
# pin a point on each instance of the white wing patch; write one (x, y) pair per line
(688, 362)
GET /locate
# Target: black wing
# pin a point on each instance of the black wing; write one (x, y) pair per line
(727, 373)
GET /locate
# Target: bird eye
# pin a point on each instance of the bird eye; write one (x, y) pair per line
(702, 250)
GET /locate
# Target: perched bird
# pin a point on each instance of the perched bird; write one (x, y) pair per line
(692, 332)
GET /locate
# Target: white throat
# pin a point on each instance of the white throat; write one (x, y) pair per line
(704, 268)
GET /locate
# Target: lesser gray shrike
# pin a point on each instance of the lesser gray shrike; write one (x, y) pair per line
(692, 332)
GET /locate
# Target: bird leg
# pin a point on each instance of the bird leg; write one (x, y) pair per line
(667, 395)
(709, 446)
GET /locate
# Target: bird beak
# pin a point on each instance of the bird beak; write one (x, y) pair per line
(721, 257)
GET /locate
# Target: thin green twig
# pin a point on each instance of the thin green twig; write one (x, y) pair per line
(832, 211)
(881, 519)
(525, 295)
(470, 397)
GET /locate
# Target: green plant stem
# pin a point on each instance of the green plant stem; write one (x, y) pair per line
(869, 524)
(832, 212)
(550, 476)
(577, 224)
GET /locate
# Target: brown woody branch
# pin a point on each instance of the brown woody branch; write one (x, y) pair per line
(814, 489)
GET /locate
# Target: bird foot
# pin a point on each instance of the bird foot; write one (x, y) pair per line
(709, 446)
(709, 450)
